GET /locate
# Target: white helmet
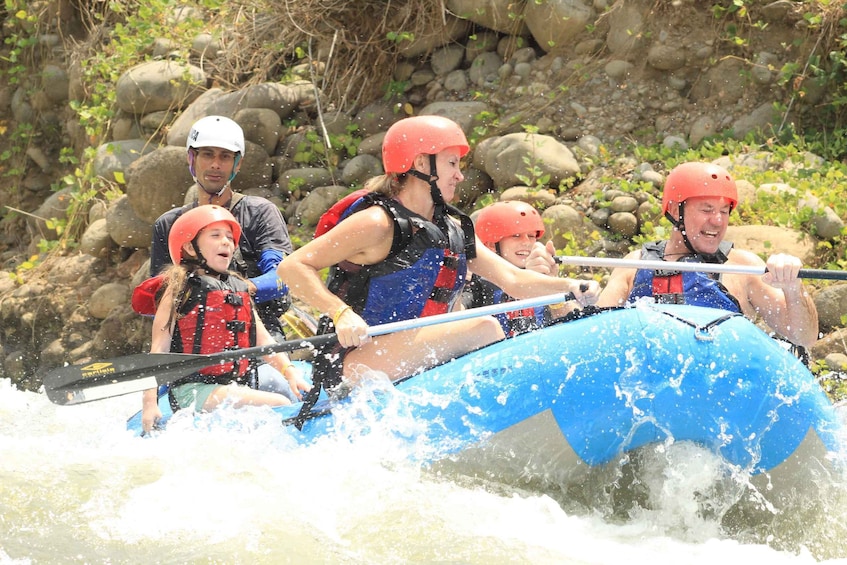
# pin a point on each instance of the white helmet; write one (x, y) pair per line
(216, 131)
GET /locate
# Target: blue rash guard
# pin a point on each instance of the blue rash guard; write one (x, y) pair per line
(674, 287)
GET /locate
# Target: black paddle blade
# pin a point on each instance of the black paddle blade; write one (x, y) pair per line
(75, 384)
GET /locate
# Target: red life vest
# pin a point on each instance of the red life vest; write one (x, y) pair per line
(444, 288)
(217, 316)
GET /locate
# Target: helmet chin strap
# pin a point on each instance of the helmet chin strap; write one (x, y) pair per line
(432, 180)
(201, 262)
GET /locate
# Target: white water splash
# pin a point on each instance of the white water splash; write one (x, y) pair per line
(76, 487)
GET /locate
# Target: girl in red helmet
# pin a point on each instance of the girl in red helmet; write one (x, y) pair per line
(404, 254)
(204, 308)
(698, 199)
(513, 230)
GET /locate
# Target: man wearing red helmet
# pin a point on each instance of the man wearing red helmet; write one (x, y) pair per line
(406, 255)
(512, 229)
(698, 199)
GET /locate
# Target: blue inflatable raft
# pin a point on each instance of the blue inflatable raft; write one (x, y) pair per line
(583, 393)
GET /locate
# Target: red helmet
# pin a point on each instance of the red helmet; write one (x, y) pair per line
(187, 226)
(413, 136)
(690, 180)
(502, 219)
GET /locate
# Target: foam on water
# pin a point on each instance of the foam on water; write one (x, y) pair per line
(75, 486)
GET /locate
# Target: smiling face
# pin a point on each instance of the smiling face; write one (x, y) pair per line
(216, 244)
(706, 221)
(516, 248)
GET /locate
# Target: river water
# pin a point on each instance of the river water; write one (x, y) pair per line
(76, 487)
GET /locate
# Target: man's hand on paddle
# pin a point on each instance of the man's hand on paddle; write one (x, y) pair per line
(783, 271)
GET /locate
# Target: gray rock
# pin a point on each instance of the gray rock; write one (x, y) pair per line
(766, 240)
(497, 15)
(831, 303)
(624, 204)
(762, 119)
(55, 83)
(666, 57)
(456, 81)
(571, 18)
(828, 224)
(117, 156)
(446, 59)
(158, 85)
(508, 158)
(96, 241)
(623, 223)
(305, 179)
(484, 69)
(54, 208)
(106, 298)
(441, 32)
(157, 182)
(564, 221)
(316, 202)
(262, 126)
(360, 168)
(126, 228)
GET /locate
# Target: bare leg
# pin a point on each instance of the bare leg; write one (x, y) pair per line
(403, 353)
(243, 396)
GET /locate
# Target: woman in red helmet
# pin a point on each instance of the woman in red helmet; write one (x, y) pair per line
(406, 254)
(202, 307)
(698, 199)
(513, 229)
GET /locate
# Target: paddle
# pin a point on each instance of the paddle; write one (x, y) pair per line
(698, 267)
(75, 384)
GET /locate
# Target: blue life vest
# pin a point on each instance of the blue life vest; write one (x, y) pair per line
(675, 287)
(423, 274)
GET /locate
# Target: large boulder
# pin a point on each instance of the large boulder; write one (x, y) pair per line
(158, 85)
(513, 158)
(158, 182)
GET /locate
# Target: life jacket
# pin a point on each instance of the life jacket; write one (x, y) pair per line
(675, 287)
(482, 292)
(424, 272)
(216, 316)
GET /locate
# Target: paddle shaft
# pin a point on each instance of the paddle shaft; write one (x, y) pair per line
(696, 267)
(75, 384)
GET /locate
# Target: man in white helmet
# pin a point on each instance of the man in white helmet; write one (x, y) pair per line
(215, 147)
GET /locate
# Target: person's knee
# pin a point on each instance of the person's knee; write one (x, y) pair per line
(489, 329)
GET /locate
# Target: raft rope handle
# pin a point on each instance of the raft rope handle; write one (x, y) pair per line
(703, 333)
